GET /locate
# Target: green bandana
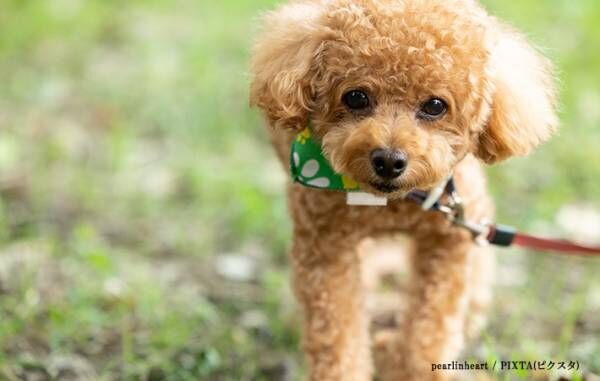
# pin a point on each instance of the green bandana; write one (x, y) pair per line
(309, 167)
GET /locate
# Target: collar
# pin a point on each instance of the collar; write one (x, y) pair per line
(309, 167)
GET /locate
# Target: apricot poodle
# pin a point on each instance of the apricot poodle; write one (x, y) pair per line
(400, 94)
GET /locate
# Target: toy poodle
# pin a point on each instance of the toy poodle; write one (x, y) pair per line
(399, 95)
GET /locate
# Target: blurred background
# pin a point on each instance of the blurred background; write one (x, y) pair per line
(143, 226)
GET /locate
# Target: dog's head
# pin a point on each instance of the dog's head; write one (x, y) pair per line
(400, 91)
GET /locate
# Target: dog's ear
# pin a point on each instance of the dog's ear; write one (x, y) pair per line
(283, 65)
(523, 100)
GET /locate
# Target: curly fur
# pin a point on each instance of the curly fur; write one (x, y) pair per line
(501, 103)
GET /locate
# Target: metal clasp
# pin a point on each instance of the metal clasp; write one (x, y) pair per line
(455, 212)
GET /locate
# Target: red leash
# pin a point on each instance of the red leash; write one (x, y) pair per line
(501, 235)
(552, 244)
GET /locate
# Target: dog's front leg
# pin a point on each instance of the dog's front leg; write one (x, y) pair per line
(432, 331)
(327, 284)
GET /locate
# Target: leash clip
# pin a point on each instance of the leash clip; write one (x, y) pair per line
(455, 212)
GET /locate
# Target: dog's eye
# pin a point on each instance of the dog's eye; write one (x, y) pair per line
(356, 100)
(433, 109)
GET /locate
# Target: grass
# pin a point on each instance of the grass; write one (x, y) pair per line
(131, 165)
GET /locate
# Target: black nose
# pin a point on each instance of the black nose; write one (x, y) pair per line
(387, 163)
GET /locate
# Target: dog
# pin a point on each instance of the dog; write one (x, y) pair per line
(400, 94)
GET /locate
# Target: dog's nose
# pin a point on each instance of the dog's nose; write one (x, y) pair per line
(387, 163)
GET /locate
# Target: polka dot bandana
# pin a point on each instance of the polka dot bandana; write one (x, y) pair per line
(309, 167)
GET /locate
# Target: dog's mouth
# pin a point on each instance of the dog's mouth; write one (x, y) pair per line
(384, 187)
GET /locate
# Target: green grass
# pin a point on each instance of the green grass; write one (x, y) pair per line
(130, 163)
